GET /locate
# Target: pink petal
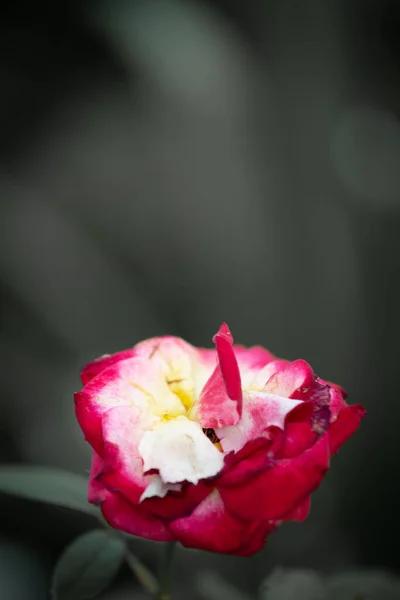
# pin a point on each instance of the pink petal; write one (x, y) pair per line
(122, 515)
(345, 425)
(208, 357)
(290, 377)
(122, 468)
(99, 364)
(176, 358)
(111, 387)
(280, 488)
(255, 357)
(211, 527)
(171, 348)
(220, 402)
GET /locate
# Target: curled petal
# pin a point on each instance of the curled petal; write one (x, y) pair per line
(269, 410)
(290, 377)
(280, 488)
(227, 361)
(158, 489)
(220, 402)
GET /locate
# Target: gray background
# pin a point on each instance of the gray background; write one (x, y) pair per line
(169, 165)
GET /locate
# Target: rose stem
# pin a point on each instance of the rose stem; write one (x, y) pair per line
(164, 590)
(144, 576)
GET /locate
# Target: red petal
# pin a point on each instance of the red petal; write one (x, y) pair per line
(256, 538)
(251, 460)
(280, 488)
(345, 425)
(122, 515)
(299, 434)
(300, 513)
(97, 493)
(211, 527)
(298, 437)
(177, 504)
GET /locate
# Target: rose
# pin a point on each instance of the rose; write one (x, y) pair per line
(213, 448)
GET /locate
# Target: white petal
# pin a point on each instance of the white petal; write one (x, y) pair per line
(260, 411)
(158, 488)
(180, 451)
(275, 408)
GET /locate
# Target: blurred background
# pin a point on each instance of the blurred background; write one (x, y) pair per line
(168, 165)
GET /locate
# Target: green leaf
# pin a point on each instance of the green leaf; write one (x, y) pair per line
(293, 584)
(46, 485)
(87, 566)
(363, 585)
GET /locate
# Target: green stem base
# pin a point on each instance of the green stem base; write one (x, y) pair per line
(164, 590)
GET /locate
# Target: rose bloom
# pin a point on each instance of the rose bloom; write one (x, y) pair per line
(213, 448)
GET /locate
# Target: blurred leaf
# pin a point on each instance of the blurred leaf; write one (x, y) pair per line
(293, 585)
(363, 585)
(46, 485)
(87, 566)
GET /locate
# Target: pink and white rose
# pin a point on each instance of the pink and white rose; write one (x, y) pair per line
(210, 447)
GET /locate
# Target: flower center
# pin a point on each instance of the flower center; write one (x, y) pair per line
(183, 389)
(212, 436)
